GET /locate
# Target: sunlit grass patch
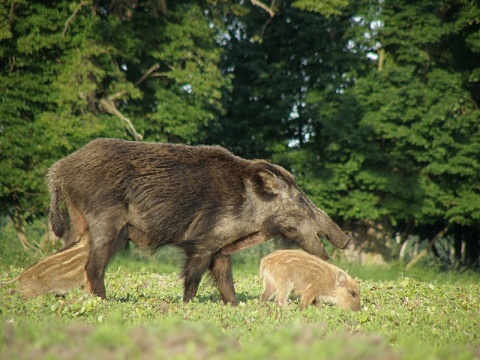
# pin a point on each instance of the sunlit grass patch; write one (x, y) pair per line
(402, 317)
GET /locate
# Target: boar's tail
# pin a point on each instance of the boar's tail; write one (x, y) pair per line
(57, 217)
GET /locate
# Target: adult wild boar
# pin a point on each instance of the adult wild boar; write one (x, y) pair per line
(202, 199)
(315, 280)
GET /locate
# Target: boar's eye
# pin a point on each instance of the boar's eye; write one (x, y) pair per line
(306, 204)
(354, 294)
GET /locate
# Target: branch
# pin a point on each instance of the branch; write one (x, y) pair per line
(109, 106)
(149, 71)
(117, 95)
(108, 103)
(71, 18)
(19, 226)
(261, 5)
(163, 7)
(381, 58)
(403, 239)
(160, 74)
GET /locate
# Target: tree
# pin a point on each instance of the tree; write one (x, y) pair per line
(73, 71)
(407, 155)
(280, 59)
(375, 109)
(31, 42)
(373, 105)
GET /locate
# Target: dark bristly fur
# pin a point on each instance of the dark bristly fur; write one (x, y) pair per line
(316, 281)
(202, 199)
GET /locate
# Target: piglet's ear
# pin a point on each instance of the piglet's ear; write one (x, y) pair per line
(265, 183)
(341, 278)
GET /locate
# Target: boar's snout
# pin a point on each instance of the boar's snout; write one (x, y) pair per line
(331, 230)
(340, 239)
(322, 252)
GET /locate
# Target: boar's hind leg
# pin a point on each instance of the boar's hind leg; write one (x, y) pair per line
(195, 266)
(105, 239)
(221, 271)
(68, 224)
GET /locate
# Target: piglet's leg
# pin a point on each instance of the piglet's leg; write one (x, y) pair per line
(307, 298)
(269, 290)
(283, 293)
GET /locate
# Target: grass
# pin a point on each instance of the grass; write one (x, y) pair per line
(425, 313)
(168, 260)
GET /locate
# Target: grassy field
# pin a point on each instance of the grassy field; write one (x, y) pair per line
(426, 313)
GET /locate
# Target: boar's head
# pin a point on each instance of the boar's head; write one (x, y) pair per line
(289, 213)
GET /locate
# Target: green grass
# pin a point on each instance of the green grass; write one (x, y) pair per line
(169, 259)
(165, 261)
(425, 313)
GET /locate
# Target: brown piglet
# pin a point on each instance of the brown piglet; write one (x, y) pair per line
(316, 281)
(56, 273)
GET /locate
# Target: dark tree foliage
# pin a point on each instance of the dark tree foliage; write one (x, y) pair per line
(407, 152)
(373, 105)
(73, 71)
(280, 66)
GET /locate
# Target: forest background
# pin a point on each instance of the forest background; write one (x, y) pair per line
(372, 105)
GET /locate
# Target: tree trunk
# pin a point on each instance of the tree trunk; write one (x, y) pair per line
(472, 247)
(425, 251)
(403, 239)
(458, 246)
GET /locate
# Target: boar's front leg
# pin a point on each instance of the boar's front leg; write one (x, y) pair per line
(244, 243)
(221, 271)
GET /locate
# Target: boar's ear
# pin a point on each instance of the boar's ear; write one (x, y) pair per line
(341, 278)
(269, 181)
(265, 182)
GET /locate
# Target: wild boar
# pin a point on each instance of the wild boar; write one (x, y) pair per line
(314, 280)
(57, 273)
(202, 199)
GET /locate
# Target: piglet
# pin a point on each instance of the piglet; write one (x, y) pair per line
(316, 281)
